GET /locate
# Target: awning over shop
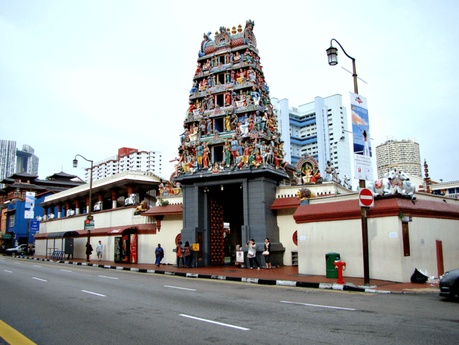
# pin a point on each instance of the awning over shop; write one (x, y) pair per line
(120, 230)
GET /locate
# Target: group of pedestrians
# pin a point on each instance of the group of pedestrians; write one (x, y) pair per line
(252, 253)
(183, 254)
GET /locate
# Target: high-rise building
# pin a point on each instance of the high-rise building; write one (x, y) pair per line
(127, 159)
(400, 155)
(7, 158)
(318, 129)
(26, 160)
(14, 160)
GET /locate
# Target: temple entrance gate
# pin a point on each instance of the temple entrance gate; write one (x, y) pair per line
(216, 234)
(226, 220)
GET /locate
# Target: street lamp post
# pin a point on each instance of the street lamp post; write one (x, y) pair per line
(75, 164)
(332, 54)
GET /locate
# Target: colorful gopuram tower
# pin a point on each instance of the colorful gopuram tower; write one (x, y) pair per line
(230, 156)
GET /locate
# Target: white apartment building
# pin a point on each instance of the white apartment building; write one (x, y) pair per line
(127, 159)
(400, 155)
(318, 129)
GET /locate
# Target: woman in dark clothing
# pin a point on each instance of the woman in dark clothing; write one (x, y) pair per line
(267, 248)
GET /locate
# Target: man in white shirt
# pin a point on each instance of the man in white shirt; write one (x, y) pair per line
(99, 250)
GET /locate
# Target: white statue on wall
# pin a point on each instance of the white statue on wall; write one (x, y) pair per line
(131, 200)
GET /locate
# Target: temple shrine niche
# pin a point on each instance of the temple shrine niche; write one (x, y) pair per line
(230, 156)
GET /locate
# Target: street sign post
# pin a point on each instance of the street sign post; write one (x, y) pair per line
(34, 225)
(89, 224)
(366, 198)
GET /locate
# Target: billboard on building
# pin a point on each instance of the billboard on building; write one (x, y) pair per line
(29, 205)
(361, 133)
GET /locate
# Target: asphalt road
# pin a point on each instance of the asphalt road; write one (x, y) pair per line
(52, 303)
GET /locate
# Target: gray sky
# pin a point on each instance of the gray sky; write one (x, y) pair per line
(90, 77)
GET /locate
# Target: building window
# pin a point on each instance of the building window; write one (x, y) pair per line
(12, 221)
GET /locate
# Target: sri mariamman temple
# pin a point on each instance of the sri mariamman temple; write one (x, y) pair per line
(230, 157)
(232, 184)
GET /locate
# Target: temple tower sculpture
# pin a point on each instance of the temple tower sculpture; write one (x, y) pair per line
(230, 157)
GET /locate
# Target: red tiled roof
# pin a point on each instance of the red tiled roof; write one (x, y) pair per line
(384, 207)
(164, 210)
(281, 203)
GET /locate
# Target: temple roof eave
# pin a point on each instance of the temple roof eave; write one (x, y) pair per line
(121, 180)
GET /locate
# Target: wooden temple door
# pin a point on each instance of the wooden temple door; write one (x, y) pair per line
(216, 234)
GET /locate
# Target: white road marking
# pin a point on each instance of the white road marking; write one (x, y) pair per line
(318, 306)
(179, 288)
(108, 277)
(42, 280)
(93, 293)
(8, 271)
(66, 271)
(215, 322)
(36, 265)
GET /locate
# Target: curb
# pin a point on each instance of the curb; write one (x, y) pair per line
(292, 283)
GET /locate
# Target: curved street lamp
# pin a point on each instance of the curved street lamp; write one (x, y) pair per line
(75, 164)
(332, 54)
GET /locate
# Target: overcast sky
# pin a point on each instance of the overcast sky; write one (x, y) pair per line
(90, 77)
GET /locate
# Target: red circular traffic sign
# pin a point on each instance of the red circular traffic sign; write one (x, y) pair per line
(366, 198)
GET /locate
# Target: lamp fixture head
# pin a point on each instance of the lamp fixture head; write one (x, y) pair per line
(332, 54)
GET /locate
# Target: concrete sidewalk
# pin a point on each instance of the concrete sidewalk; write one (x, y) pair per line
(284, 276)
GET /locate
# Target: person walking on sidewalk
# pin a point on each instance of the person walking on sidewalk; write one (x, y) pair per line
(252, 253)
(267, 252)
(88, 251)
(159, 252)
(187, 251)
(179, 254)
(99, 250)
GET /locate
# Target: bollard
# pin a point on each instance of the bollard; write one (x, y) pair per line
(341, 266)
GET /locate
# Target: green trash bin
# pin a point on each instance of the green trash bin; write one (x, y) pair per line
(330, 259)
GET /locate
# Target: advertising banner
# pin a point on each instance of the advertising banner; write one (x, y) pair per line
(29, 200)
(29, 205)
(361, 133)
(133, 248)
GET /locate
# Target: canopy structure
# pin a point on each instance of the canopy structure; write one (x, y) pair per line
(62, 234)
(59, 254)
